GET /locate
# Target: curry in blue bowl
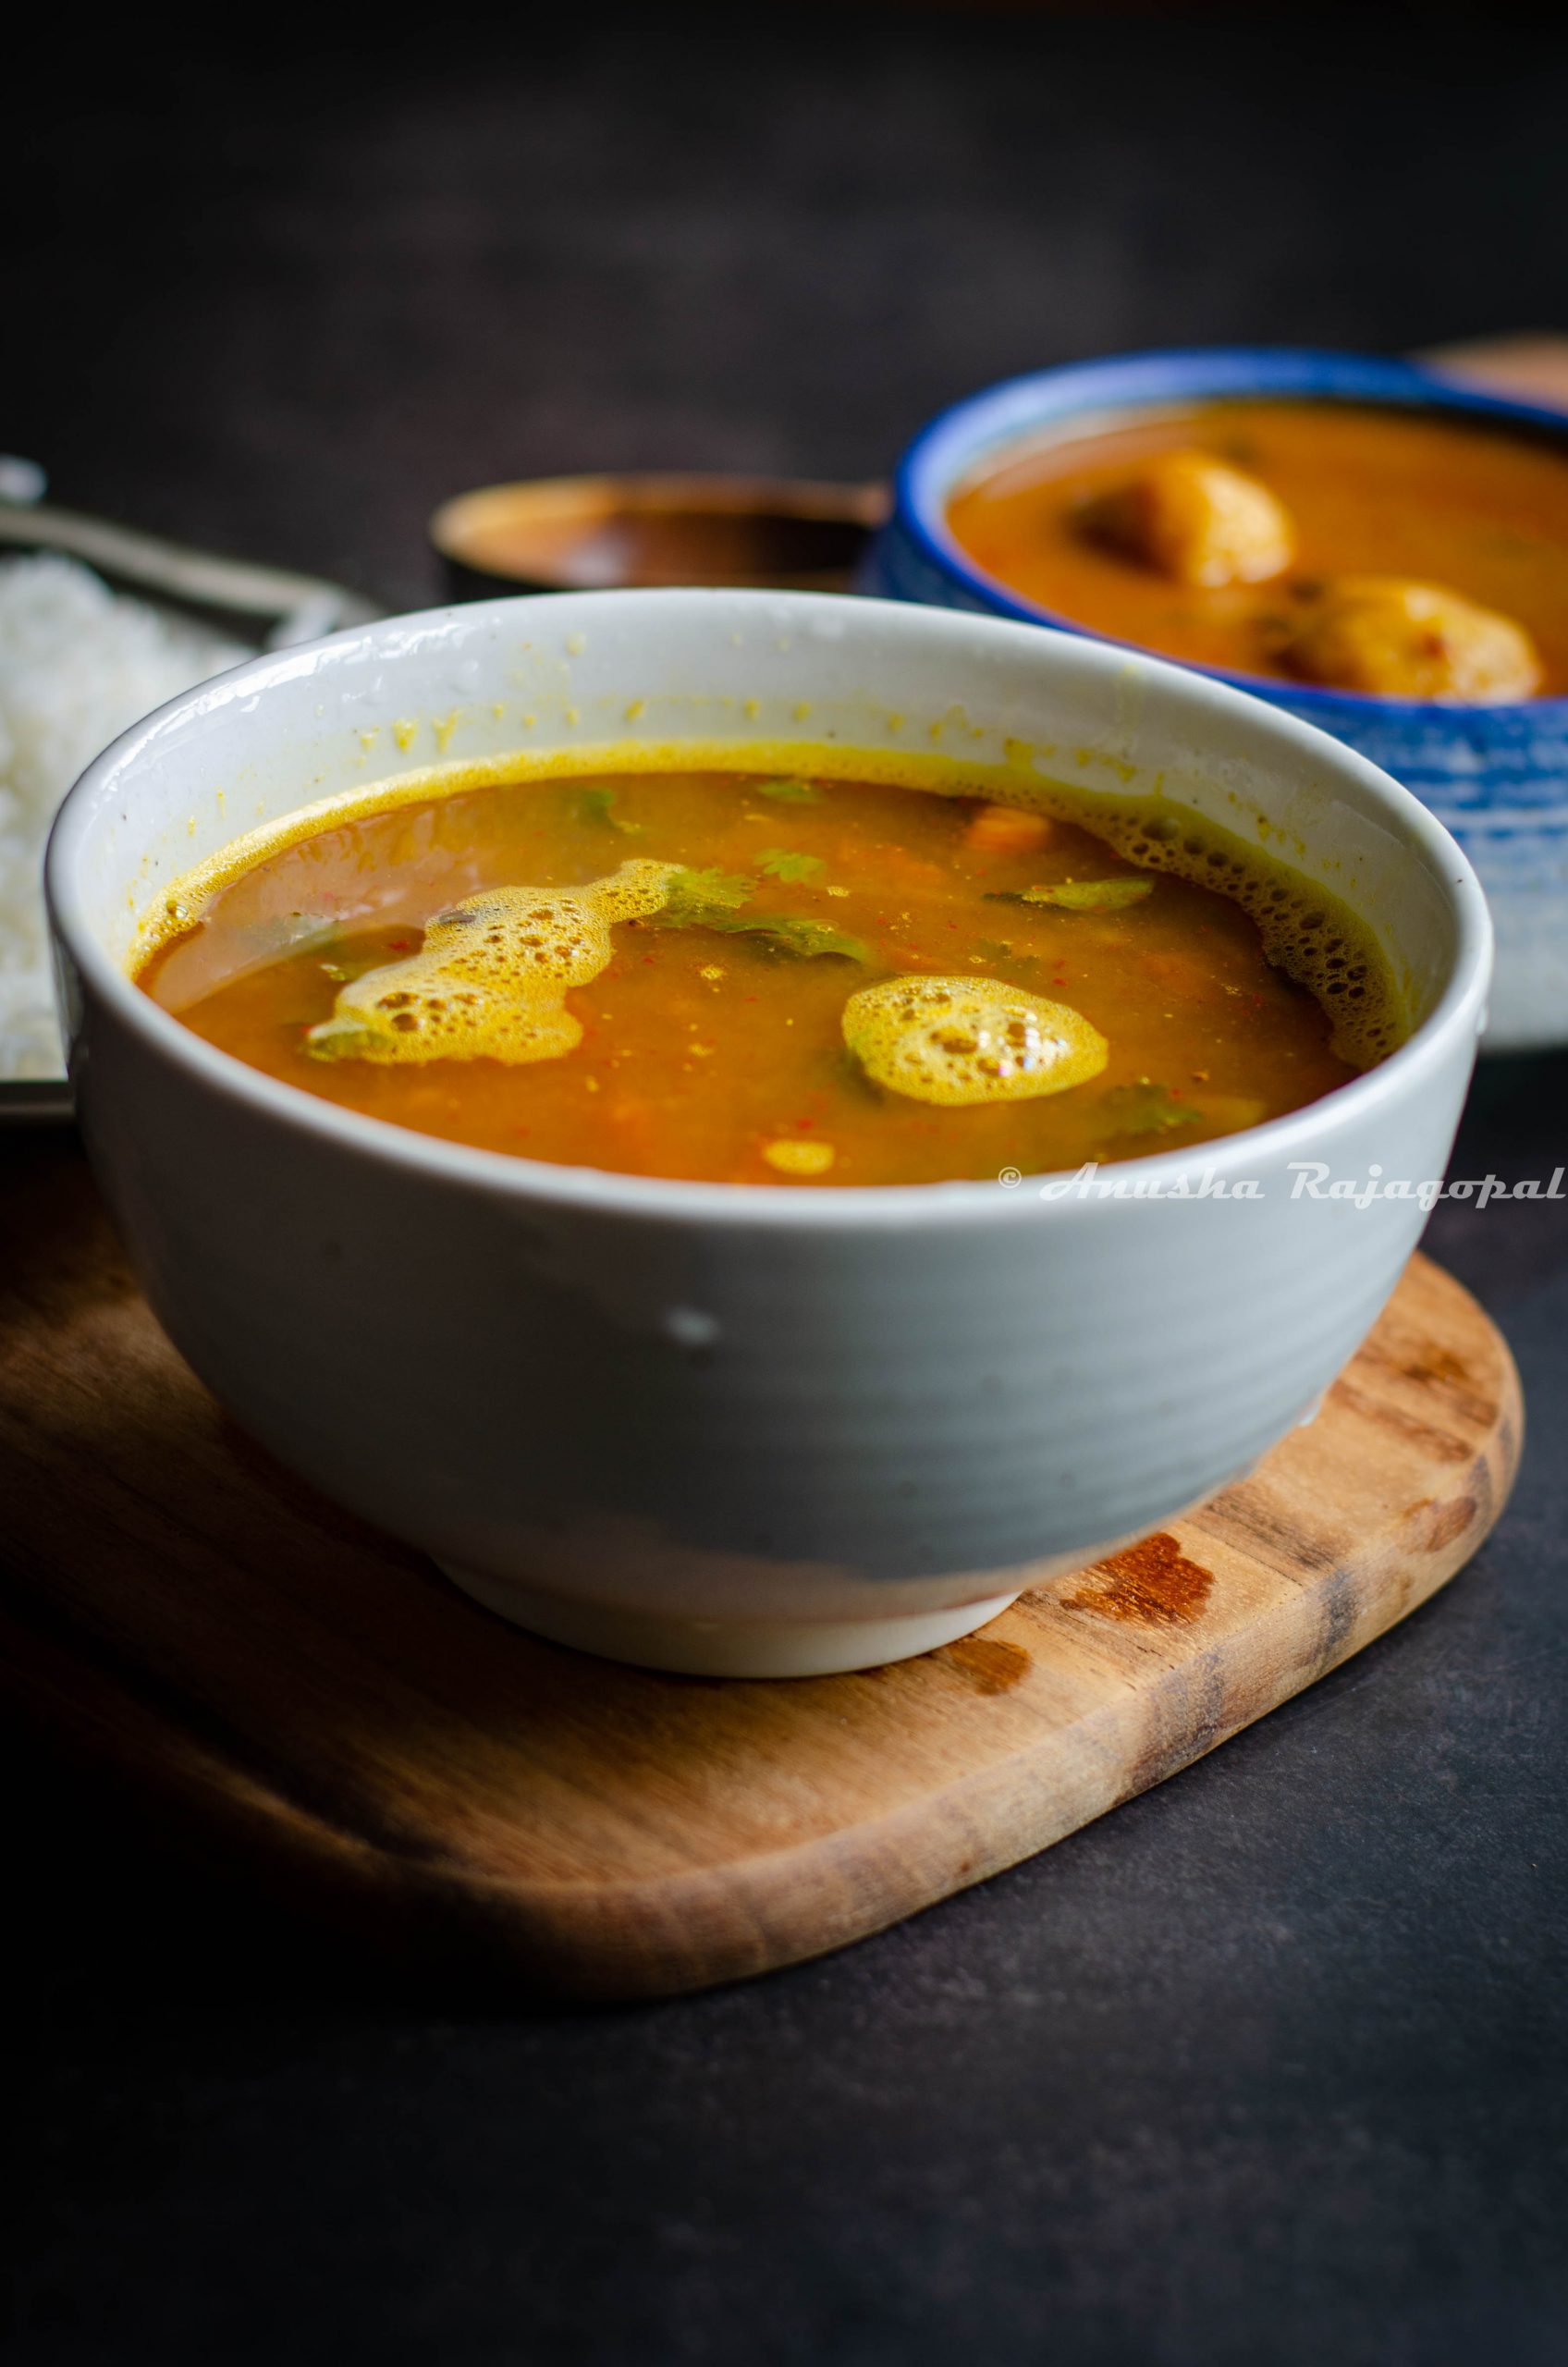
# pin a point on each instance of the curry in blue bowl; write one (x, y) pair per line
(1358, 541)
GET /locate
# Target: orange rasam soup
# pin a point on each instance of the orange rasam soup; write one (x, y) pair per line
(773, 978)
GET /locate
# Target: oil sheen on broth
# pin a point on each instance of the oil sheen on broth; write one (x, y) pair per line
(759, 979)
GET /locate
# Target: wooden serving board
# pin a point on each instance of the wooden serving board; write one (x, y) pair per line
(307, 1693)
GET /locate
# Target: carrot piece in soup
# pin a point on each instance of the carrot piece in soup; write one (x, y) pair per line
(1007, 829)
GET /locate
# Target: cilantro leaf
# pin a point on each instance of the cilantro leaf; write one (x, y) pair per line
(790, 793)
(787, 933)
(692, 898)
(598, 805)
(1079, 895)
(1001, 948)
(339, 1038)
(779, 863)
(1146, 1108)
(710, 900)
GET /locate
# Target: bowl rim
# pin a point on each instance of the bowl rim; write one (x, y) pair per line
(933, 461)
(859, 504)
(667, 1200)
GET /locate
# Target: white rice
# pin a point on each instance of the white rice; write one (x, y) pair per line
(78, 664)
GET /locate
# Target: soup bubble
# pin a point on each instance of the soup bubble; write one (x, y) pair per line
(491, 978)
(960, 1040)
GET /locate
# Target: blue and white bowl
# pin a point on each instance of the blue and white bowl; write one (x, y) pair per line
(1496, 776)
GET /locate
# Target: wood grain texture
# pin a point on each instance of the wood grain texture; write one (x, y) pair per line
(289, 1683)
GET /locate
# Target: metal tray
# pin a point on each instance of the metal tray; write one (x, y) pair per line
(267, 607)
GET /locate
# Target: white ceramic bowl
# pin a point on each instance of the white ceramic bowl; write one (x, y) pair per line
(716, 1428)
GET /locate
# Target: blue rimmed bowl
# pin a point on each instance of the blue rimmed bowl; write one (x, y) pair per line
(1496, 776)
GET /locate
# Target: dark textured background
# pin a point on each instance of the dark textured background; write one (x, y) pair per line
(1268, 2067)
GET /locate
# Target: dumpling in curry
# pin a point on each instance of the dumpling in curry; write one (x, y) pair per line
(1395, 639)
(1195, 519)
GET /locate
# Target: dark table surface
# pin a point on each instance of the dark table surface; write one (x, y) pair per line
(1268, 2065)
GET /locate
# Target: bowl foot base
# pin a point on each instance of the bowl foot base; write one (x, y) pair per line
(707, 1648)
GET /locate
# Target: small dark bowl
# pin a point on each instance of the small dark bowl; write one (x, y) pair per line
(597, 534)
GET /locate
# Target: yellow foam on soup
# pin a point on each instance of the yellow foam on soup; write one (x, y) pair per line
(960, 1040)
(491, 978)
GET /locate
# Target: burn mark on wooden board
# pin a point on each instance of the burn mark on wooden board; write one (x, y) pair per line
(1432, 1525)
(1152, 1584)
(986, 1663)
